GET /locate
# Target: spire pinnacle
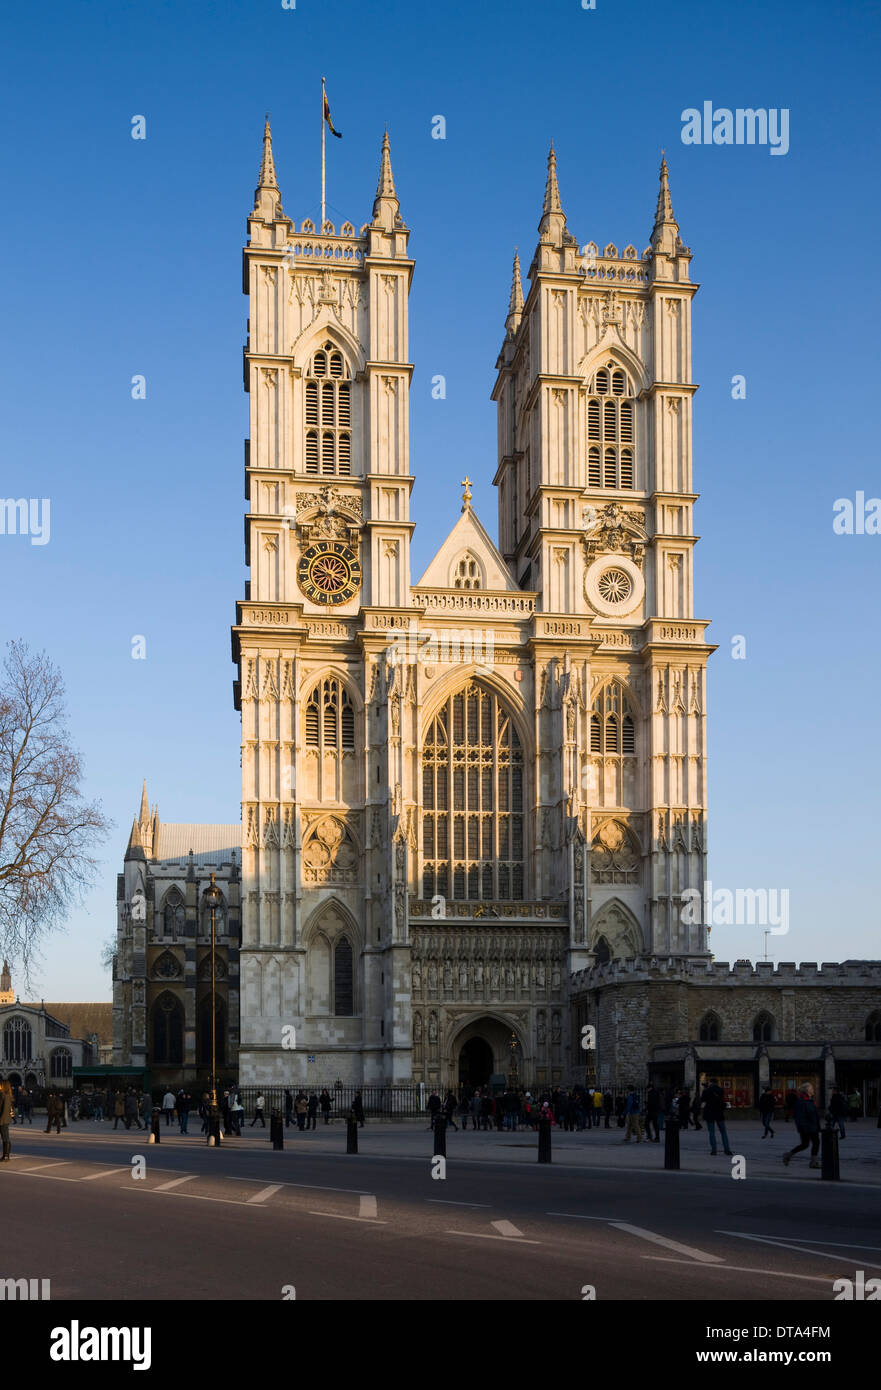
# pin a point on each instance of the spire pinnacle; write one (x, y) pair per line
(386, 208)
(664, 213)
(386, 186)
(515, 302)
(665, 234)
(552, 193)
(267, 164)
(144, 813)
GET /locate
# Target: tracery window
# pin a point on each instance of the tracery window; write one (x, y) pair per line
(467, 573)
(612, 725)
(61, 1063)
(168, 1031)
(472, 797)
(328, 414)
(610, 429)
(343, 978)
(710, 1029)
(330, 716)
(18, 1041)
(763, 1028)
(175, 914)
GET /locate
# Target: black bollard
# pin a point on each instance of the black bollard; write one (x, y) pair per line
(440, 1137)
(671, 1144)
(157, 1116)
(544, 1140)
(351, 1134)
(276, 1130)
(829, 1154)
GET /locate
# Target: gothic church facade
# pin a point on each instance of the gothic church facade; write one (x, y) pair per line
(460, 790)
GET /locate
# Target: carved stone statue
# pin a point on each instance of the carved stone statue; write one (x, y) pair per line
(556, 1029)
(541, 1028)
(416, 977)
(432, 1027)
(417, 1028)
(432, 975)
(463, 977)
(448, 974)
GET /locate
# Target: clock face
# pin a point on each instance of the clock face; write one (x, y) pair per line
(329, 573)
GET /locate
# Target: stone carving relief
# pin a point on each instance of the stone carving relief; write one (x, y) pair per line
(330, 854)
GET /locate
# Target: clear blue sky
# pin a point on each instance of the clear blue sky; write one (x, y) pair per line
(123, 257)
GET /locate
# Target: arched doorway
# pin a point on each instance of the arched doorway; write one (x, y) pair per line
(476, 1063)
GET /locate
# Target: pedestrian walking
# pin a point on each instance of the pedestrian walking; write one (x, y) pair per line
(854, 1105)
(236, 1113)
(118, 1109)
(326, 1105)
(713, 1102)
(130, 1109)
(450, 1109)
(182, 1104)
(620, 1104)
(807, 1122)
(358, 1108)
(205, 1111)
(696, 1110)
(767, 1104)
(259, 1107)
(168, 1107)
(608, 1108)
(54, 1108)
(312, 1111)
(288, 1108)
(631, 1115)
(146, 1108)
(7, 1111)
(301, 1104)
(433, 1106)
(652, 1110)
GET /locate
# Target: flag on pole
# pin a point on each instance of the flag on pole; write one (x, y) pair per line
(337, 133)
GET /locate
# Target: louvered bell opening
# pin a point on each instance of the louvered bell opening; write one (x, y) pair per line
(596, 734)
(612, 735)
(319, 364)
(619, 382)
(627, 468)
(312, 452)
(628, 740)
(328, 411)
(328, 462)
(348, 726)
(345, 454)
(594, 469)
(602, 382)
(336, 364)
(610, 472)
(593, 420)
(610, 421)
(627, 422)
(311, 726)
(311, 403)
(344, 405)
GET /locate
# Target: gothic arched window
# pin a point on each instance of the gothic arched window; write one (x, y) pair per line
(175, 914)
(612, 725)
(330, 716)
(61, 1063)
(710, 1028)
(343, 978)
(610, 429)
(168, 1031)
(18, 1041)
(873, 1028)
(763, 1028)
(466, 574)
(328, 414)
(472, 797)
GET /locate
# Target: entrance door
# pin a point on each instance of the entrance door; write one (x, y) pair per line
(476, 1063)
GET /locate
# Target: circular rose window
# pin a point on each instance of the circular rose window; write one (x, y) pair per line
(615, 586)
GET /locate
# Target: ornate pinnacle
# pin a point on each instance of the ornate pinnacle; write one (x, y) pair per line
(386, 186)
(267, 164)
(552, 193)
(664, 211)
(515, 301)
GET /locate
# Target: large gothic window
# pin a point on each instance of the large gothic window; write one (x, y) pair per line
(612, 727)
(330, 717)
(610, 429)
(18, 1041)
(61, 1063)
(168, 1031)
(472, 797)
(710, 1028)
(175, 914)
(328, 413)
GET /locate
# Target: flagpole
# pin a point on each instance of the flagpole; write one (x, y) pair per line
(321, 227)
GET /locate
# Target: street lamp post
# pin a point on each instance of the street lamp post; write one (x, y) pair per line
(213, 899)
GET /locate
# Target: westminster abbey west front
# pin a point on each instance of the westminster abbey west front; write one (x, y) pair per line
(460, 791)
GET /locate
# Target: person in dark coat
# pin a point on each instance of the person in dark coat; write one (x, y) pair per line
(288, 1107)
(713, 1102)
(312, 1111)
(130, 1105)
(838, 1110)
(608, 1107)
(807, 1122)
(433, 1106)
(358, 1108)
(696, 1110)
(767, 1102)
(620, 1104)
(684, 1108)
(54, 1110)
(652, 1110)
(325, 1104)
(7, 1111)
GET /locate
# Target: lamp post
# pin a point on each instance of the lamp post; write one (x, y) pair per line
(213, 899)
(513, 1074)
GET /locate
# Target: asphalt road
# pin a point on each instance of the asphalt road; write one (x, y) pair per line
(202, 1223)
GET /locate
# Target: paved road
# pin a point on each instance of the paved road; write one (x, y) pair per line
(379, 1226)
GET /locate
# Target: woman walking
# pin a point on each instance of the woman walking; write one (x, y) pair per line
(7, 1110)
(767, 1103)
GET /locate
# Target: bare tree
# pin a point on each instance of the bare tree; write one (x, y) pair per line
(47, 831)
(108, 953)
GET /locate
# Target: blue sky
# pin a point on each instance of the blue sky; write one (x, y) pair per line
(123, 257)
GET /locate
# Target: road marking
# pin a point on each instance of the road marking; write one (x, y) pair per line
(804, 1240)
(175, 1182)
(507, 1228)
(800, 1249)
(58, 1163)
(742, 1269)
(440, 1201)
(108, 1174)
(367, 1208)
(479, 1235)
(190, 1196)
(699, 1255)
(264, 1194)
(576, 1216)
(335, 1216)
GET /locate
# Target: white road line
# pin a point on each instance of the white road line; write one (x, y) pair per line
(189, 1196)
(576, 1216)
(264, 1194)
(58, 1163)
(335, 1216)
(742, 1269)
(108, 1174)
(479, 1235)
(800, 1249)
(699, 1255)
(367, 1208)
(803, 1240)
(175, 1182)
(439, 1201)
(507, 1228)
